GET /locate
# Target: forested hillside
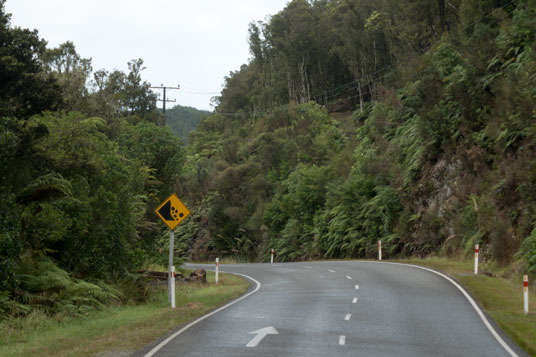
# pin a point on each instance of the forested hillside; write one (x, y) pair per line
(356, 120)
(82, 166)
(182, 120)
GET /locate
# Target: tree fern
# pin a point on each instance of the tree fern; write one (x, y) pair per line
(44, 286)
(46, 187)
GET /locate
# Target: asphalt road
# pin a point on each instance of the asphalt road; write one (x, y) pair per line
(340, 309)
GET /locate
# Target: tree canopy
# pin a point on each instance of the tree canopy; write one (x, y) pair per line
(82, 166)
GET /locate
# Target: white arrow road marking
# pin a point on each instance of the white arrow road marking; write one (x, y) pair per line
(170, 338)
(342, 340)
(347, 317)
(348, 277)
(357, 287)
(331, 271)
(261, 333)
(354, 301)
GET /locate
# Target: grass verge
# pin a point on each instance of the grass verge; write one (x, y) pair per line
(501, 298)
(116, 331)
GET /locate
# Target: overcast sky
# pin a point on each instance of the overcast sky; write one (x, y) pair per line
(194, 43)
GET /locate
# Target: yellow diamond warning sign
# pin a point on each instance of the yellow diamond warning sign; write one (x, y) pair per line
(172, 211)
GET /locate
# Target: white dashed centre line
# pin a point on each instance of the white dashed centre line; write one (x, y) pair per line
(342, 340)
(348, 277)
(357, 287)
(306, 267)
(347, 317)
(354, 301)
(331, 271)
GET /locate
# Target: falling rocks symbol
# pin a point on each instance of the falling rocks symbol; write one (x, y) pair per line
(165, 211)
(170, 213)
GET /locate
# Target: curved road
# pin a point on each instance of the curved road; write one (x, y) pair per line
(360, 308)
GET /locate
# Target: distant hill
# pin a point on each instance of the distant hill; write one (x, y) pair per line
(182, 120)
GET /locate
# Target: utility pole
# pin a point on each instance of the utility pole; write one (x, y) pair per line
(164, 100)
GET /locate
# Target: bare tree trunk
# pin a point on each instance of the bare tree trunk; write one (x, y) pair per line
(431, 24)
(302, 74)
(375, 55)
(273, 99)
(370, 90)
(444, 24)
(360, 97)
(289, 87)
(322, 80)
(308, 87)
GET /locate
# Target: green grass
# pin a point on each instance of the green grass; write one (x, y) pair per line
(115, 330)
(501, 298)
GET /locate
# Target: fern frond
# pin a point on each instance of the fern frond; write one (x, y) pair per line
(45, 188)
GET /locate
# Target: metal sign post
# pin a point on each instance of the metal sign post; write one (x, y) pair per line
(172, 286)
(170, 272)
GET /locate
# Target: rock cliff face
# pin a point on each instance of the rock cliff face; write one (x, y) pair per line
(436, 197)
(443, 178)
(470, 197)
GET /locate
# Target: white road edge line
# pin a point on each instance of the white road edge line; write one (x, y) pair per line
(354, 301)
(347, 317)
(357, 287)
(342, 340)
(167, 340)
(473, 303)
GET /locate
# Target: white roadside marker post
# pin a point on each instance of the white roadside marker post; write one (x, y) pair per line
(476, 259)
(272, 256)
(217, 269)
(172, 287)
(380, 250)
(526, 294)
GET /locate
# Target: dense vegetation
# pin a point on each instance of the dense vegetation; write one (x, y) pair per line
(410, 121)
(356, 120)
(182, 120)
(82, 166)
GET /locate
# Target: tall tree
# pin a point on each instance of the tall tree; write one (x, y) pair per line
(72, 73)
(25, 87)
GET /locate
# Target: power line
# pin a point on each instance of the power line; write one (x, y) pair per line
(192, 90)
